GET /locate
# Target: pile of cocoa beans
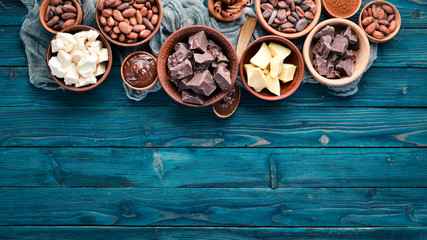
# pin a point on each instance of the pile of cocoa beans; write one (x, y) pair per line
(379, 21)
(288, 16)
(128, 21)
(60, 15)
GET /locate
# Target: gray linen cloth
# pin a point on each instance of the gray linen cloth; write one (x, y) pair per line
(176, 14)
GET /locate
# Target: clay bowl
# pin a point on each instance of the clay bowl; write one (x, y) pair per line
(101, 29)
(219, 17)
(100, 79)
(304, 32)
(396, 17)
(152, 84)
(362, 55)
(182, 35)
(43, 9)
(333, 14)
(295, 58)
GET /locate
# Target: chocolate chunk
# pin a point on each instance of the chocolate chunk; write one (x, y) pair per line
(182, 51)
(321, 65)
(183, 84)
(215, 65)
(198, 42)
(213, 45)
(202, 61)
(181, 70)
(221, 58)
(323, 46)
(328, 30)
(340, 44)
(348, 54)
(214, 52)
(190, 97)
(202, 83)
(345, 66)
(221, 75)
(350, 35)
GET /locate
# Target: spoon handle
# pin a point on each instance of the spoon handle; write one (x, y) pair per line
(245, 35)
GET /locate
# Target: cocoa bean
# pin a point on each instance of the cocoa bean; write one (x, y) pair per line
(267, 6)
(144, 11)
(116, 30)
(295, 15)
(274, 2)
(56, 2)
(113, 35)
(299, 11)
(132, 35)
(367, 21)
(388, 9)
(107, 12)
(103, 20)
(289, 30)
(148, 5)
(123, 6)
(148, 24)
(68, 23)
(145, 33)
(392, 26)
(53, 21)
(301, 24)
(281, 14)
(390, 18)
(370, 12)
(384, 22)
(365, 14)
(155, 19)
(279, 22)
(138, 6)
(286, 25)
(272, 17)
(126, 21)
(116, 4)
(308, 15)
(110, 21)
(132, 21)
(371, 28)
(138, 28)
(56, 27)
(374, 11)
(122, 38)
(125, 28)
(69, 8)
(155, 9)
(267, 13)
(46, 16)
(292, 19)
(59, 10)
(292, 5)
(128, 13)
(282, 4)
(108, 3)
(149, 14)
(380, 14)
(378, 35)
(138, 17)
(118, 15)
(107, 29)
(130, 41)
(67, 16)
(384, 30)
(101, 5)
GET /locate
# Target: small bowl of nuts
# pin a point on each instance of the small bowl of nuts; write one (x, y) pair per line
(56, 15)
(128, 23)
(288, 18)
(380, 20)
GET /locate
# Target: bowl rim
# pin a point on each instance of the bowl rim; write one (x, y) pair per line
(107, 68)
(304, 32)
(164, 79)
(297, 81)
(79, 16)
(308, 61)
(159, 6)
(149, 86)
(337, 16)
(396, 16)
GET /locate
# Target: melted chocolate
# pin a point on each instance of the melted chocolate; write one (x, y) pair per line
(140, 70)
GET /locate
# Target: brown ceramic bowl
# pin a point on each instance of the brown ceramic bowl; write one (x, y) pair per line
(267, 27)
(362, 55)
(334, 14)
(218, 16)
(396, 17)
(295, 58)
(182, 35)
(100, 79)
(149, 86)
(101, 29)
(43, 9)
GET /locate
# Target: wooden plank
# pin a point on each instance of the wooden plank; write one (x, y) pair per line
(12, 13)
(397, 87)
(213, 233)
(302, 207)
(182, 127)
(238, 168)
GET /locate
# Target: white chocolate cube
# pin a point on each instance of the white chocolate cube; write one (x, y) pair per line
(84, 81)
(72, 76)
(92, 35)
(64, 58)
(87, 65)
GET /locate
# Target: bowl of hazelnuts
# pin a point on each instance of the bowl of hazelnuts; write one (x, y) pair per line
(128, 23)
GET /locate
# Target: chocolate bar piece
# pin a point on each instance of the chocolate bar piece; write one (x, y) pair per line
(326, 31)
(350, 35)
(202, 61)
(345, 66)
(183, 84)
(198, 42)
(340, 44)
(202, 83)
(321, 65)
(323, 46)
(221, 75)
(181, 70)
(221, 58)
(348, 54)
(213, 45)
(190, 97)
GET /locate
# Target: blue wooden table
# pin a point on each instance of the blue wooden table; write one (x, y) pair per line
(96, 165)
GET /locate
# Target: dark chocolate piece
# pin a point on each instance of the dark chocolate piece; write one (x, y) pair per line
(181, 70)
(202, 83)
(213, 45)
(345, 66)
(340, 44)
(198, 42)
(326, 31)
(221, 75)
(348, 54)
(221, 58)
(190, 97)
(321, 65)
(183, 84)
(323, 46)
(350, 35)
(202, 61)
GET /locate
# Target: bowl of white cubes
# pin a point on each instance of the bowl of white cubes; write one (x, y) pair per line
(79, 58)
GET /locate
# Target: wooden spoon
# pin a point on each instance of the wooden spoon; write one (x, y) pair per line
(228, 105)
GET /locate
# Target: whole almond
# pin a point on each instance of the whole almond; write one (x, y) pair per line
(68, 23)
(128, 13)
(388, 9)
(154, 19)
(155, 9)
(110, 21)
(138, 28)
(149, 14)
(381, 14)
(113, 35)
(102, 20)
(132, 21)
(132, 35)
(392, 26)
(378, 35)
(138, 17)
(107, 29)
(384, 30)
(122, 38)
(125, 28)
(145, 33)
(69, 8)
(53, 21)
(144, 11)
(371, 28)
(367, 21)
(365, 14)
(107, 12)
(116, 30)
(138, 6)
(118, 15)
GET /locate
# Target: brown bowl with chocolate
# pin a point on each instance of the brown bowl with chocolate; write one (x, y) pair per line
(128, 24)
(197, 66)
(139, 71)
(336, 52)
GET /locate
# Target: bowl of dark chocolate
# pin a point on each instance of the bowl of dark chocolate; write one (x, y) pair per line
(197, 84)
(139, 70)
(339, 59)
(295, 58)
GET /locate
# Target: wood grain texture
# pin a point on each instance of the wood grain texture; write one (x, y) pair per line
(399, 87)
(212, 167)
(217, 233)
(343, 207)
(182, 127)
